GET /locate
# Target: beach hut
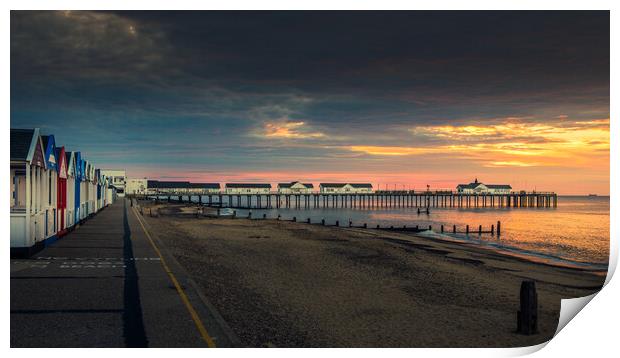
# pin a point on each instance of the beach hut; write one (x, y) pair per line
(93, 188)
(70, 202)
(110, 191)
(28, 167)
(78, 188)
(50, 185)
(61, 192)
(99, 201)
(90, 189)
(83, 191)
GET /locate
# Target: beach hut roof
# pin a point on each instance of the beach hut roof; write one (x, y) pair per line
(49, 148)
(21, 140)
(26, 146)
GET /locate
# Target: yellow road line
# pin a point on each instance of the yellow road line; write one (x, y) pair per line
(188, 305)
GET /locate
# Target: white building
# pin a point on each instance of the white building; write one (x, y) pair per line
(204, 188)
(181, 187)
(295, 188)
(345, 188)
(247, 188)
(136, 186)
(117, 178)
(479, 188)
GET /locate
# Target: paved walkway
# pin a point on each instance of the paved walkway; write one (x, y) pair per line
(110, 283)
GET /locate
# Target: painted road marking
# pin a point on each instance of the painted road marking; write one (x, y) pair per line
(82, 262)
(97, 258)
(197, 321)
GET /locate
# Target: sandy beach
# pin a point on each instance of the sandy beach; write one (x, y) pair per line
(288, 284)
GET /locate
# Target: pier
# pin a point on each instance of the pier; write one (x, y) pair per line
(377, 200)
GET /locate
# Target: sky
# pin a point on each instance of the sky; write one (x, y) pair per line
(398, 99)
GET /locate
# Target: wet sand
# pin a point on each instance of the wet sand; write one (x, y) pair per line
(291, 284)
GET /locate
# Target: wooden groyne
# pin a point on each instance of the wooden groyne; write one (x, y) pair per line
(366, 201)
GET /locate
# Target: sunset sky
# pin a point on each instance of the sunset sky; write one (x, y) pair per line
(398, 99)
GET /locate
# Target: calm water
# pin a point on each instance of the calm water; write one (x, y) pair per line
(576, 232)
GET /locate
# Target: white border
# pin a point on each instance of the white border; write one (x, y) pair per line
(593, 332)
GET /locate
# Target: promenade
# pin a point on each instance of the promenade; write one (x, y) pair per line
(109, 284)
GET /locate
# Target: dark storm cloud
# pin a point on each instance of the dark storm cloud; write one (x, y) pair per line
(243, 88)
(354, 63)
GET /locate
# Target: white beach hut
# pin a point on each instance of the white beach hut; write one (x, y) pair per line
(27, 172)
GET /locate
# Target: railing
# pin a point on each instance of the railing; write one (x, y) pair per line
(377, 192)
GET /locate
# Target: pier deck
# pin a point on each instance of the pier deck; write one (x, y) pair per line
(106, 285)
(368, 201)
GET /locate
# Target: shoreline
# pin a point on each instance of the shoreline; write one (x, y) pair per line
(596, 268)
(290, 284)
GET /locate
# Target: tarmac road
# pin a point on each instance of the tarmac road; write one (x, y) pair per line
(109, 284)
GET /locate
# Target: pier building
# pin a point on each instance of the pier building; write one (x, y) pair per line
(247, 188)
(345, 188)
(181, 187)
(479, 188)
(295, 188)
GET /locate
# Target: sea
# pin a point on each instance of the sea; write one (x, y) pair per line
(576, 233)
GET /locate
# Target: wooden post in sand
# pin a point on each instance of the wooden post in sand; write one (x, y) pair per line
(479, 229)
(498, 228)
(454, 229)
(527, 316)
(466, 229)
(442, 229)
(337, 223)
(323, 222)
(492, 229)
